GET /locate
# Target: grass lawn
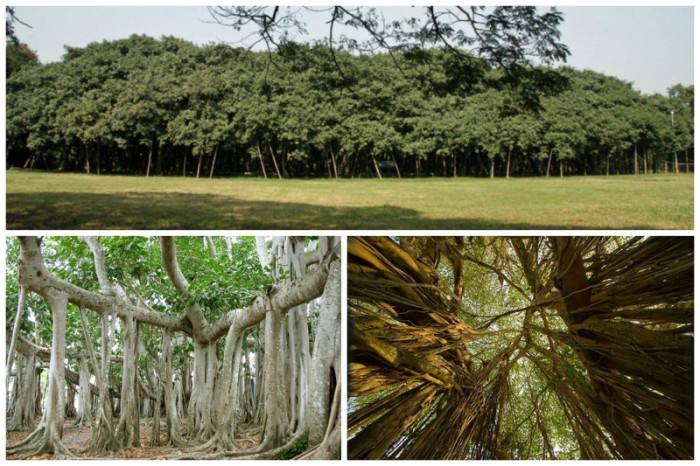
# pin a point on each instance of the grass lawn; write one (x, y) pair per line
(77, 201)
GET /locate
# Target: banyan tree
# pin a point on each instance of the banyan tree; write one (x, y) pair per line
(520, 348)
(217, 347)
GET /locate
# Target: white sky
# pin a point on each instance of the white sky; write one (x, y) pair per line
(650, 46)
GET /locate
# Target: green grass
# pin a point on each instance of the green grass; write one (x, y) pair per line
(77, 201)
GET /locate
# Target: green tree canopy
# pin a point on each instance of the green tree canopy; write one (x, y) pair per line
(520, 348)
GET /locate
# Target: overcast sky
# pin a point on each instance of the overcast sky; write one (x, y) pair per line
(649, 46)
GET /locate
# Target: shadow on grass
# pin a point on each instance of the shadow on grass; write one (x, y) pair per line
(170, 211)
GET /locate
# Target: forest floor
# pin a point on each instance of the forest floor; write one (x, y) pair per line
(77, 440)
(37, 200)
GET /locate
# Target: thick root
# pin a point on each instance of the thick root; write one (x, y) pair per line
(39, 443)
(269, 454)
(103, 440)
(329, 449)
(27, 440)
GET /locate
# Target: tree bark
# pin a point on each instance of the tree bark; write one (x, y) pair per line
(376, 167)
(213, 162)
(47, 436)
(25, 390)
(262, 164)
(317, 403)
(21, 307)
(276, 419)
(150, 157)
(274, 161)
(335, 167)
(508, 165)
(128, 401)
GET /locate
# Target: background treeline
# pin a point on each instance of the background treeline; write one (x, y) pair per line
(147, 106)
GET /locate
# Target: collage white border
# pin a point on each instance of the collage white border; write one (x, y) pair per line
(343, 233)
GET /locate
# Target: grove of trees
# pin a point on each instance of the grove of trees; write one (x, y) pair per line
(165, 106)
(225, 347)
(520, 348)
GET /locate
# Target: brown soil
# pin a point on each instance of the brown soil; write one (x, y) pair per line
(77, 440)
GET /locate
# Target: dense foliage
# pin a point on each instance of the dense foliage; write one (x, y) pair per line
(520, 348)
(147, 106)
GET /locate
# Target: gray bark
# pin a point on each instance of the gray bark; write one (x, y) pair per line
(47, 436)
(84, 417)
(25, 388)
(128, 402)
(21, 307)
(324, 353)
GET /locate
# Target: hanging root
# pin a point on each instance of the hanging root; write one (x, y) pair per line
(103, 439)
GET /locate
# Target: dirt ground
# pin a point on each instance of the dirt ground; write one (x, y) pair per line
(77, 440)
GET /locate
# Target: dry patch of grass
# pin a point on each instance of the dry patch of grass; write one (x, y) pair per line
(77, 201)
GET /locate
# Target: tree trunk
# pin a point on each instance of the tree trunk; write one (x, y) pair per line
(335, 167)
(376, 167)
(675, 162)
(213, 161)
(323, 357)
(125, 434)
(262, 165)
(103, 432)
(274, 161)
(226, 399)
(159, 159)
(492, 170)
(276, 391)
(172, 429)
(155, 430)
(150, 157)
(21, 307)
(198, 399)
(70, 401)
(47, 436)
(645, 161)
(84, 396)
(508, 165)
(25, 388)
(199, 165)
(549, 161)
